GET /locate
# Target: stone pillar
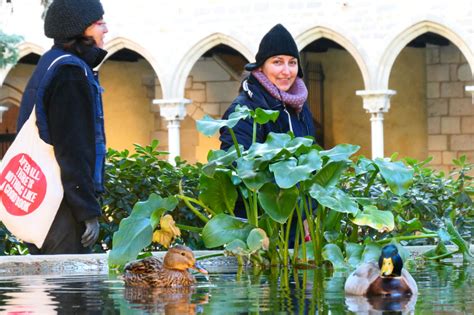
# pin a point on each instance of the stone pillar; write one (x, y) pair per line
(376, 102)
(173, 110)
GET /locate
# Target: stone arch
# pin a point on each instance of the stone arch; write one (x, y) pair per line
(315, 33)
(13, 101)
(119, 43)
(24, 49)
(178, 81)
(395, 47)
(11, 95)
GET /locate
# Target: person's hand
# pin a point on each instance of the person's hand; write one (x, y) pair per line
(307, 235)
(92, 232)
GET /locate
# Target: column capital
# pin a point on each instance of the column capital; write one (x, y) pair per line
(376, 101)
(470, 89)
(171, 109)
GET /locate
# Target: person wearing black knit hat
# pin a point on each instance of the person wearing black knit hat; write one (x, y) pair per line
(69, 110)
(274, 83)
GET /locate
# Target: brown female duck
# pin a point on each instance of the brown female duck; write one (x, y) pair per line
(388, 278)
(171, 272)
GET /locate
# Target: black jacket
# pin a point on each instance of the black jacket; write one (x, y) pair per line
(69, 109)
(254, 95)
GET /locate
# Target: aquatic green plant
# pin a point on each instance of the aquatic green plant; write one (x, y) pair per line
(352, 205)
(131, 177)
(287, 178)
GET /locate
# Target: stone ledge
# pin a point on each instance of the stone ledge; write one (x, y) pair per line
(97, 263)
(89, 263)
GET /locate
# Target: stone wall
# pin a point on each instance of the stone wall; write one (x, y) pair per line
(450, 109)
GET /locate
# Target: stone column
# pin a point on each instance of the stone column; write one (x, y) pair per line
(173, 110)
(376, 102)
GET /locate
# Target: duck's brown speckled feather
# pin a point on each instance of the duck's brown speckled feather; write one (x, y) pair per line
(150, 272)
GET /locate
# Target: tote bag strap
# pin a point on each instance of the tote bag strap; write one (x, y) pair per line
(65, 59)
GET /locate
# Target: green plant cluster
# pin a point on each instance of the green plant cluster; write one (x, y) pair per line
(352, 205)
(133, 177)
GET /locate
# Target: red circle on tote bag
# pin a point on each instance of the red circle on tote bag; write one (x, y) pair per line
(23, 185)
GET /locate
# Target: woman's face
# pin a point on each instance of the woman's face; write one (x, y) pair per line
(281, 70)
(97, 31)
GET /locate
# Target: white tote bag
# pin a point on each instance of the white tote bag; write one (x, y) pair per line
(30, 185)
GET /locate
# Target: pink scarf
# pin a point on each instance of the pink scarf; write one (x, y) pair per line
(294, 97)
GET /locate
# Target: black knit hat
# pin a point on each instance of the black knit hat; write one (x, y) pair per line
(278, 41)
(70, 18)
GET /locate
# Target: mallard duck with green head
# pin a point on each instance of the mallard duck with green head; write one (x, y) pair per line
(170, 272)
(387, 278)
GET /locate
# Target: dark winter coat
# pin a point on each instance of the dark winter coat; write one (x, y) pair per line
(253, 95)
(71, 100)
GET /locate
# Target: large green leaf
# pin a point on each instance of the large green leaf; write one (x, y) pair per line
(354, 253)
(218, 192)
(376, 219)
(456, 238)
(133, 235)
(398, 176)
(144, 209)
(330, 173)
(262, 116)
(290, 172)
(363, 166)
(254, 178)
(333, 254)
(135, 232)
(257, 240)
(341, 152)
(334, 198)
(208, 126)
(371, 253)
(217, 158)
(273, 145)
(278, 203)
(299, 145)
(238, 248)
(223, 229)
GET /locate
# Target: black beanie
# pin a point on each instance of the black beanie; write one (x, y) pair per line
(278, 41)
(70, 18)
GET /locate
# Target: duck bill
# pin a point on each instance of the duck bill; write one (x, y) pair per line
(387, 267)
(197, 266)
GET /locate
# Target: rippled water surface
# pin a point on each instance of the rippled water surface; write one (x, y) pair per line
(444, 289)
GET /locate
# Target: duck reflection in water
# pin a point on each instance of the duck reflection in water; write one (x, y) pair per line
(182, 300)
(381, 304)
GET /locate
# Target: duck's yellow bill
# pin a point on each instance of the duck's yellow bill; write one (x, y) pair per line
(387, 267)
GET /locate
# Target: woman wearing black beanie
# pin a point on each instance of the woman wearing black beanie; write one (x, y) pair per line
(67, 95)
(275, 82)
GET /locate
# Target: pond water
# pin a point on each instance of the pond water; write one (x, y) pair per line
(444, 289)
